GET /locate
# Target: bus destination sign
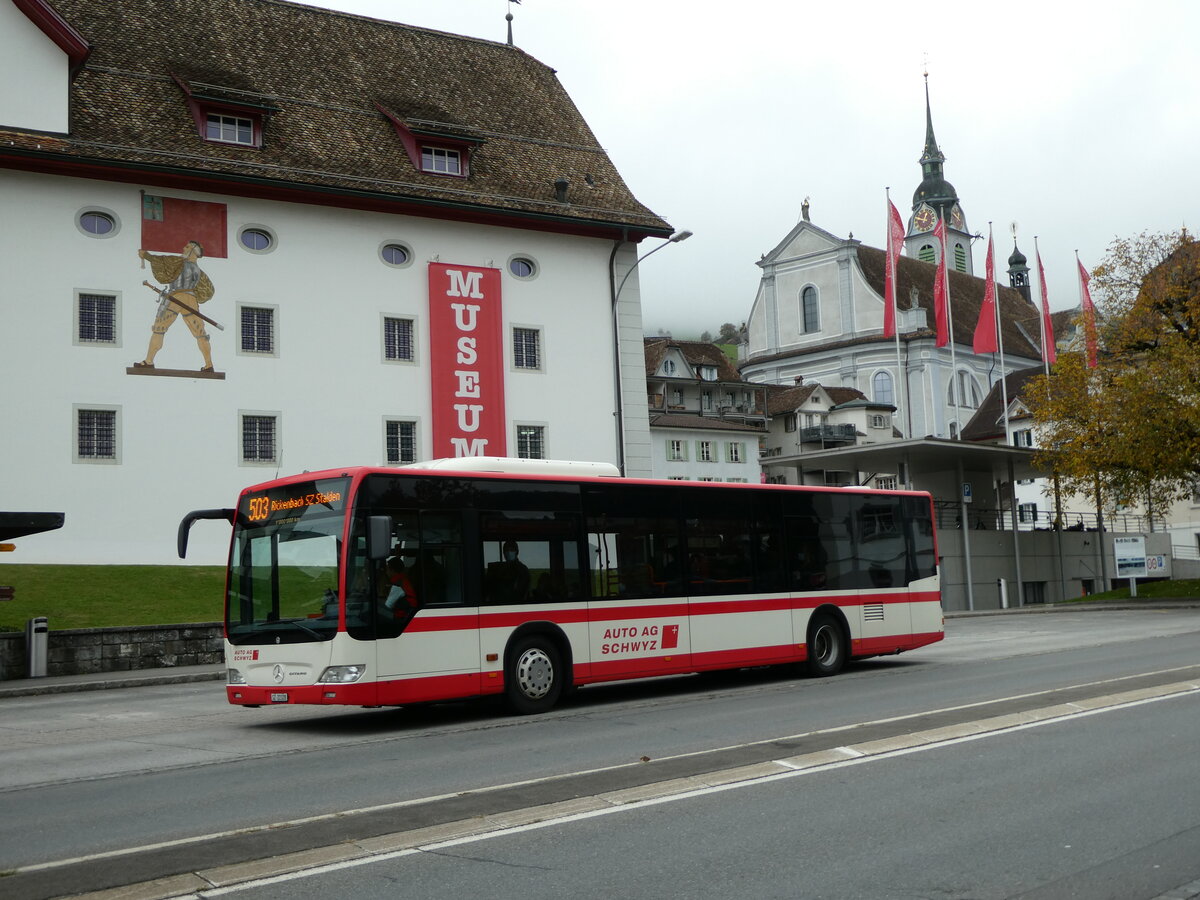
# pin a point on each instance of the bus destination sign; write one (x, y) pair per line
(289, 502)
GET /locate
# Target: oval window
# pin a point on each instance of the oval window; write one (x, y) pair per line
(522, 267)
(255, 239)
(97, 223)
(395, 254)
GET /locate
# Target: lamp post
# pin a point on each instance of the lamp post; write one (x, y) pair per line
(676, 238)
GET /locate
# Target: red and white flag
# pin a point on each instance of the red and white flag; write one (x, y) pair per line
(1089, 314)
(985, 328)
(1049, 354)
(941, 299)
(895, 240)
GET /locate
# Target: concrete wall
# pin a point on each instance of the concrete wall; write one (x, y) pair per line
(88, 650)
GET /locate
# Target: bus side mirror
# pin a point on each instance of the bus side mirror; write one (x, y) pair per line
(379, 537)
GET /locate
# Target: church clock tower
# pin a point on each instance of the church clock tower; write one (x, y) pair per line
(935, 198)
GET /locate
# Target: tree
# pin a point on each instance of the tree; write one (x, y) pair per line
(729, 334)
(1130, 428)
(706, 337)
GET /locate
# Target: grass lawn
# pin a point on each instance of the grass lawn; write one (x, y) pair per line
(104, 596)
(1184, 588)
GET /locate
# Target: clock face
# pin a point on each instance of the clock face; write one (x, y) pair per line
(925, 219)
(956, 217)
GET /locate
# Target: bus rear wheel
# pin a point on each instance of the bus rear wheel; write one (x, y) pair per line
(827, 649)
(534, 680)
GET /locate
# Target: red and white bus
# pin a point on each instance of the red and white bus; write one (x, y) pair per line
(383, 587)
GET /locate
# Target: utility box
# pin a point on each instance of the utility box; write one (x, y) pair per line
(37, 646)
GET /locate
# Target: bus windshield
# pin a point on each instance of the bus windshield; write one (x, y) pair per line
(283, 585)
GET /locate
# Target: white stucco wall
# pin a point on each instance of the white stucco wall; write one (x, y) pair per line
(34, 74)
(179, 438)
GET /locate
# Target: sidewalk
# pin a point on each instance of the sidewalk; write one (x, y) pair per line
(103, 681)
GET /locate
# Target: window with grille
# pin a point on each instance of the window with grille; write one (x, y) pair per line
(531, 441)
(527, 351)
(398, 339)
(97, 319)
(401, 442)
(259, 439)
(258, 329)
(96, 434)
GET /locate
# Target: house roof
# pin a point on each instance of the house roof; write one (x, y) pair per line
(697, 353)
(988, 422)
(781, 400)
(326, 83)
(702, 423)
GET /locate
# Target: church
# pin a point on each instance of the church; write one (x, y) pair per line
(818, 314)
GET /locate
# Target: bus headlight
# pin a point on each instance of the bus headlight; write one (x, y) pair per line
(342, 674)
(235, 676)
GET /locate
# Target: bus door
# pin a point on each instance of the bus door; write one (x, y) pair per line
(427, 631)
(882, 551)
(822, 568)
(638, 614)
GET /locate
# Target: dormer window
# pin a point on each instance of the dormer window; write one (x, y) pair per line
(441, 161)
(229, 129)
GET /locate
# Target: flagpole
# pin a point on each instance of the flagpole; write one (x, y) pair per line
(892, 251)
(1042, 310)
(954, 386)
(1000, 345)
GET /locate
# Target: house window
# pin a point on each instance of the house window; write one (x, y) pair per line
(885, 482)
(735, 452)
(737, 480)
(522, 267)
(881, 387)
(95, 318)
(809, 312)
(789, 422)
(707, 478)
(441, 161)
(708, 373)
(677, 478)
(676, 450)
(397, 339)
(879, 422)
(704, 451)
(527, 351)
(668, 367)
(229, 129)
(257, 326)
(706, 400)
(531, 441)
(1027, 512)
(400, 439)
(259, 438)
(96, 435)
(677, 398)
(1023, 437)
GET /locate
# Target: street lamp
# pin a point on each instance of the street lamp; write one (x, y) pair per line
(620, 411)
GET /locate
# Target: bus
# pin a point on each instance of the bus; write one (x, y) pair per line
(528, 578)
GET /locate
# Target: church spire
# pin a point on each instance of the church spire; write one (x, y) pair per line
(932, 154)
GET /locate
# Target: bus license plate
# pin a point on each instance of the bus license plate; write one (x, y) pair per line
(279, 698)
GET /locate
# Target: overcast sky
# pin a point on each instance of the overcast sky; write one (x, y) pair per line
(1076, 121)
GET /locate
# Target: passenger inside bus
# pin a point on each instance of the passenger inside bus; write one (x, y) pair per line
(508, 580)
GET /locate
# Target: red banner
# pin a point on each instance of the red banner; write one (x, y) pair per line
(1089, 313)
(941, 298)
(895, 241)
(985, 328)
(170, 223)
(466, 361)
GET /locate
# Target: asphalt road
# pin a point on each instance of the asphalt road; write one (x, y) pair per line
(87, 774)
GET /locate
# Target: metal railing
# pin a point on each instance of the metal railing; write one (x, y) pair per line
(949, 515)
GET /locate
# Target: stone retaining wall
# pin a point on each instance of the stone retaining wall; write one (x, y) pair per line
(86, 650)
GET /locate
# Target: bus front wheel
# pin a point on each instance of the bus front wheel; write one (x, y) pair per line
(534, 680)
(827, 650)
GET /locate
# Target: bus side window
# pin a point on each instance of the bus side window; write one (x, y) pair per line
(530, 557)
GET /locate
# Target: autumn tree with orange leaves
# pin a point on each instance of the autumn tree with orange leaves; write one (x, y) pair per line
(1129, 429)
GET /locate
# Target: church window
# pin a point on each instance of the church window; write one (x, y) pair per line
(968, 392)
(881, 387)
(960, 258)
(810, 320)
(927, 254)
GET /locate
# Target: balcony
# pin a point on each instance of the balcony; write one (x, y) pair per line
(827, 435)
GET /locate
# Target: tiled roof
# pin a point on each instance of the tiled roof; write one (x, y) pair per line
(697, 353)
(782, 400)
(710, 423)
(322, 77)
(988, 422)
